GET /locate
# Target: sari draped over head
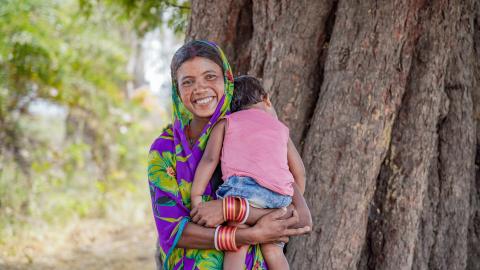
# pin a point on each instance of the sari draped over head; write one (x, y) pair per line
(171, 168)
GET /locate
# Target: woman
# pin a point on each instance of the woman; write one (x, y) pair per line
(202, 88)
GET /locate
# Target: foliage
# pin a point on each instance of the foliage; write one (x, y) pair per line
(146, 15)
(72, 144)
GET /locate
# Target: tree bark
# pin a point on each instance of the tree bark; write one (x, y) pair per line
(382, 100)
(473, 255)
(424, 153)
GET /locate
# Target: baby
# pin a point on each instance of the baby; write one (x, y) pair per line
(251, 144)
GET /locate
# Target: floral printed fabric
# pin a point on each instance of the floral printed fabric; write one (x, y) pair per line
(171, 168)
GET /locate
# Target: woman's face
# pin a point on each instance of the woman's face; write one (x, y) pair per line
(200, 85)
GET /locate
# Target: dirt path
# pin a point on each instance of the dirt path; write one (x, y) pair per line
(84, 248)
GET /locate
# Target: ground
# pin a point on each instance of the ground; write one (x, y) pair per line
(87, 246)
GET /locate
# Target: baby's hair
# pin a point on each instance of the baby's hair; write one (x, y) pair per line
(248, 91)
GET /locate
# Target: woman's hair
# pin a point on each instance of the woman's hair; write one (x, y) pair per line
(194, 48)
(248, 91)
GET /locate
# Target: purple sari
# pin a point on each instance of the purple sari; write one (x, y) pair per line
(171, 168)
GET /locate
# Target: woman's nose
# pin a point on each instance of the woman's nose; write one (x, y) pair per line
(200, 86)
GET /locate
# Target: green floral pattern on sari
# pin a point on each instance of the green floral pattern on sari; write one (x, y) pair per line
(161, 171)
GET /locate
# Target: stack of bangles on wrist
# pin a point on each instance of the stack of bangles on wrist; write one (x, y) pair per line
(234, 209)
(225, 238)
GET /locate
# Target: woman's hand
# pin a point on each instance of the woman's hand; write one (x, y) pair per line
(196, 201)
(208, 214)
(275, 227)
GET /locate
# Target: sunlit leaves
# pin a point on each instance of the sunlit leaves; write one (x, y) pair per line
(145, 15)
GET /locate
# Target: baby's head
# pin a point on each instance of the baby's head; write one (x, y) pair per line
(249, 93)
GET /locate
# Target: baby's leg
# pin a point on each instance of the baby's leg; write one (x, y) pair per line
(274, 257)
(235, 260)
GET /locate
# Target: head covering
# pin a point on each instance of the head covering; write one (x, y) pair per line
(171, 168)
(181, 114)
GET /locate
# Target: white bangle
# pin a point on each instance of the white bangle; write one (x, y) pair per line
(215, 238)
(246, 215)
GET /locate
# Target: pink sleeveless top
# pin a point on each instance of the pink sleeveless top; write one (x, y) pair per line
(255, 145)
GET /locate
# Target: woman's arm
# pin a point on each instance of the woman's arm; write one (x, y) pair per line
(208, 163)
(210, 214)
(270, 228)
(199, 237)
(196, 236)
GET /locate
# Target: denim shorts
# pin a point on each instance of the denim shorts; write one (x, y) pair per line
(258, 196)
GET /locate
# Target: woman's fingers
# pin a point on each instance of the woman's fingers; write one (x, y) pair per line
(274, 227)
(277, 214)
(299, 231)
(194, 211)
(291, 220)
(195, 218)
(210, 212)
(202, 222)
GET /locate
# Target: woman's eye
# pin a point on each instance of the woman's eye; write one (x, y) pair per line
(210, 76)
(187, 83)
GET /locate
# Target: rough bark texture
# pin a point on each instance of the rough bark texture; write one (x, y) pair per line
(382, 99)
(473, 255)
(229, 24)
(443, 233)
(424, 153)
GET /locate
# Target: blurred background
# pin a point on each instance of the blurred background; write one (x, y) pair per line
(84, 90)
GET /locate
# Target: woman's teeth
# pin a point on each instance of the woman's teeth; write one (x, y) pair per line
(204, 100)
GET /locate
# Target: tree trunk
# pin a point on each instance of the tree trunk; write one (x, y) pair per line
(382, 101)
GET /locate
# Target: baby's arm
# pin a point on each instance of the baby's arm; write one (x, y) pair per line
(296, 166)
(297, 169)
(208, 163)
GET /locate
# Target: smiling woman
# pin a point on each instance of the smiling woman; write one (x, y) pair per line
(198, 73)
(202, 91)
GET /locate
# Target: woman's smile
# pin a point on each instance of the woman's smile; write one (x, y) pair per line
(204, 101)
(205, 104)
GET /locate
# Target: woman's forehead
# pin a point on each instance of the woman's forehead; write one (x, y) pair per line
(196, 66)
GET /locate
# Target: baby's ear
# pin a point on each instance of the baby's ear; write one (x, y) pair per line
(266, 99)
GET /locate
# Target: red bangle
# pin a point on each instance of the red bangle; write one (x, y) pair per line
(235, 209)
(225, 238)
(244, 210)
(228, 204)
